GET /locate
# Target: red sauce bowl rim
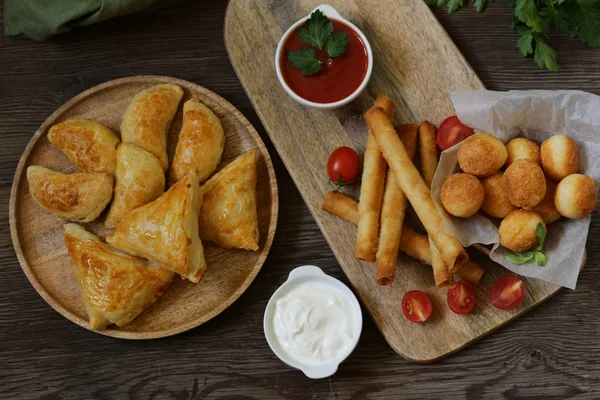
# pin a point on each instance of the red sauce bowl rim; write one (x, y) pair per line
(330, 13)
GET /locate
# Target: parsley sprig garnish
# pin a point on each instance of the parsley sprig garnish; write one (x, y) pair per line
(317, 32)
(534, 19)
(536, 254)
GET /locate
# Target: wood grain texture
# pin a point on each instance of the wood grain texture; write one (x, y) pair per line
(551, 352)
(406, 60)
(38, 236)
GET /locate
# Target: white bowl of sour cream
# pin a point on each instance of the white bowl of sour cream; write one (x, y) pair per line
(313, 322)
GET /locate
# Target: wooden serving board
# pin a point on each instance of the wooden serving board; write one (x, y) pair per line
(38, 236)
(418, 66)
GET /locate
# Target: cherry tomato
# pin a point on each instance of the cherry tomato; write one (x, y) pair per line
(343, 166)
(451, 132)
(508, 292)
(417, 306)
(462, 297)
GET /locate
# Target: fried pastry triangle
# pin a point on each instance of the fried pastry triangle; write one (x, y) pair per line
(228, 214)
(115, 287)
(166, 231)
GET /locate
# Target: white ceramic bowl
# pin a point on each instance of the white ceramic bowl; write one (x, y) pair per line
(300, 275)
(330, 13)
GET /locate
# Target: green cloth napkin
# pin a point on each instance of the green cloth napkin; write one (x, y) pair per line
(40, 19)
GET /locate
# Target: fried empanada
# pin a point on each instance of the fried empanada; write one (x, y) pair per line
(166, 230)
(88, 144)
(139, 180)
(77, 197)
(200, 144)
(115, 287)
(228, 214)
(147, 119)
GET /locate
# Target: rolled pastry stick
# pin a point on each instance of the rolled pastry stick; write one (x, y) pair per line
(428, 151)
(371, 190)
(416, 190)
(341, 206)
(393, 210)
(413, 244)
(441, 275)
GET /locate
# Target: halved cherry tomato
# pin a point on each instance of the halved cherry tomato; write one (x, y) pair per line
(462, 297)
(507, 292)
(343, 166)
(417, 306)
(451, 132)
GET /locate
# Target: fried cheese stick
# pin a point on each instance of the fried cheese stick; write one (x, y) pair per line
(371, 190)
(412, 243)
(393, 210)
(414, 187)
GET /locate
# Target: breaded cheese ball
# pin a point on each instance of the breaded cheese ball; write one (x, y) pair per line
(546, 208)
(525, 183)
(522, 149)
(462, 195)
(496, 203)
(560, 157)
(576, 196)
(481, 155)
(518, 230)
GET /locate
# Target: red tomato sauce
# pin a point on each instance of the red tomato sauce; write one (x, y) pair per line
(338, 78)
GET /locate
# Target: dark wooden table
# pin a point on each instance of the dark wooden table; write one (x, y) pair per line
(553, 352)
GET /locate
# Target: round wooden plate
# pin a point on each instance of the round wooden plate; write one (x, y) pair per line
(38, 235)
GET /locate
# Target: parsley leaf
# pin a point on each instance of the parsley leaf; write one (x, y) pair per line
(585, 22)
(305, 59)
(525, 43)
(480, 4)
(519, 258)
(544, 55)
(336, 44)
(527, 12)
(316, 30)
(454, 5)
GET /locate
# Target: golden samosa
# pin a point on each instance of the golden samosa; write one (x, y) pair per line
(91, 146)
(139, 180)
(228, 214)
(148, 117)
(166, 231)
(77, 197)
(200, 144)
(115, 287)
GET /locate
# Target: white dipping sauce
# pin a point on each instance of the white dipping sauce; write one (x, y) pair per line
(314, 323)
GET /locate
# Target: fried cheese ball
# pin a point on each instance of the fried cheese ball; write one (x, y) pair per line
(560, 157)
(462, 195)
(576, 196)
(522, 149)
(481, 155)
(546, 208)
(525, 183)
(518, 230)
(496, 203)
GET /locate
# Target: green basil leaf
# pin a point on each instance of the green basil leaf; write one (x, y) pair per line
(540, 258)
(519, 258)
(541, 234)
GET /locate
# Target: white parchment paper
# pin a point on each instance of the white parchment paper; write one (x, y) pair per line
(534, 115)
